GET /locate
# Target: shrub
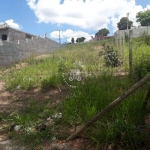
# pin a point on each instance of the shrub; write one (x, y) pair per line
(142, 66)
(111, 57)
(147, 40)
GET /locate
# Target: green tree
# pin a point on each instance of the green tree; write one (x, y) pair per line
(72, 40)
(81, 39)
(122, 25)
(143, 17)
(102, 32)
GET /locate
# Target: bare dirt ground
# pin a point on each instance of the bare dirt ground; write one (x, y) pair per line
(9, 101)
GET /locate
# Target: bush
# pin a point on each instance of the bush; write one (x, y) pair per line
(111, 57)
(147, 40)
(142, 66)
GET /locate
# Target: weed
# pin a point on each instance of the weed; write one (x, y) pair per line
(117, 126)
(51, 82)
(142, 66)
(31, 126)
(111, 57)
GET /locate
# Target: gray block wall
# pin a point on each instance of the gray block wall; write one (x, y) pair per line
(14, 51)
(137, 32)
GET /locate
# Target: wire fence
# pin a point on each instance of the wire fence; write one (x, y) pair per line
(121, 45)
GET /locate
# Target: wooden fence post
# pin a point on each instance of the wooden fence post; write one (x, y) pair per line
(130, 53)
(146, 99)
(123, 47)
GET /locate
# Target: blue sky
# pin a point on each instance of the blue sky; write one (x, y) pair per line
(74, 18)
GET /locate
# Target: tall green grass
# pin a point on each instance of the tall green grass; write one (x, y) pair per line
(33, 123)
(119, 127)
(40, 71)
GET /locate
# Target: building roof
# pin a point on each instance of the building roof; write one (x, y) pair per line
(6, 26)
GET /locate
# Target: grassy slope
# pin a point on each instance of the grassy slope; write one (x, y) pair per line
(119, 128)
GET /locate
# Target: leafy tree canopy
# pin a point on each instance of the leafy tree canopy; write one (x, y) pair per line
(72, 40)
(122, 25)
(81, 39)
(143, 17)
(102, 32)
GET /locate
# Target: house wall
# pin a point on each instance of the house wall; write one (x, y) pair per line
(136, 32)
(4, 31)
(16, 35)
(14, 50)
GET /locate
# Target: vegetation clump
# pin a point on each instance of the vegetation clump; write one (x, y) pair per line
(142, 66)
(111, 56)
(120, 126)
(147, 40)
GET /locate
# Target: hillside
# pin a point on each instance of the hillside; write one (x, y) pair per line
(45, 99)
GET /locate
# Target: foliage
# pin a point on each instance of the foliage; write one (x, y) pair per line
(116, 127)
(51, 82)
(81, 39)
(143, 17)
(119, 128)
(147, 40)
(40, 73)
(122, 25)
(142, 66)
(32, 75)
(144, 39)
(102, 32)
(72, 40)
(111, 57)
(33, 125)
(126, 37)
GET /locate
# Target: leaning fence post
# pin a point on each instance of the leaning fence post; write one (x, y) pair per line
(110, 106)
(146, 99)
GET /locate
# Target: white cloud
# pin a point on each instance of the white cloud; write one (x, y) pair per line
(91, 14)
(12, 24)
(68, 34)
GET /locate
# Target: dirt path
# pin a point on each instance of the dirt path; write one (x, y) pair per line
(9, 101)
(6, 105)
(14, 100)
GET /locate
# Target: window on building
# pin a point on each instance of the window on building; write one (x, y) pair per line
(28, 36)
(4, 37)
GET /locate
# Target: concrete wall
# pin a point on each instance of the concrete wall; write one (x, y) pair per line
(137, 32)
(15, 50)
(4, 31)
(14, 35)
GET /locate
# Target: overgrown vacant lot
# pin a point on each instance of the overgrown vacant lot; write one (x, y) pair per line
(45, 99)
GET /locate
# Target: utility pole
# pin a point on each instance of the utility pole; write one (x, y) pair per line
(59, 37)
(127, 20)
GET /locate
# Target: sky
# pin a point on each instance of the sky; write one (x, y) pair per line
(68, 18)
